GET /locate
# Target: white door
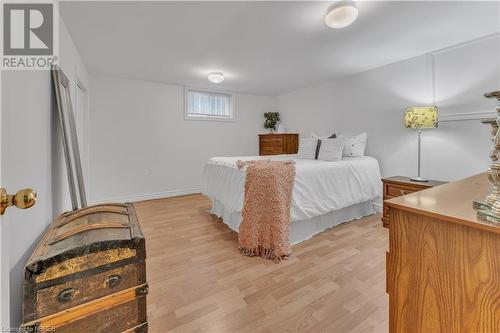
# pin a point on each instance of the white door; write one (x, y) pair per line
(27, 108)
(3, 276)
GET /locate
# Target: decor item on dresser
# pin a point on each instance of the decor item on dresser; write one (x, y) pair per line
(398, 186)
(442, 265)
(355, 146)
(494, 195)
(272, 121)
(276, 144)
(420, 117)
(489, 209)
(307, 148)
(88, 274)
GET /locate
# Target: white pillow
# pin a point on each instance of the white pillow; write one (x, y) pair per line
(319, 137)
(316, 136)
(307, 148)
(331, 149)
(355, 146)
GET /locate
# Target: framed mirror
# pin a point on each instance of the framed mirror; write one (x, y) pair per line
(69, 139)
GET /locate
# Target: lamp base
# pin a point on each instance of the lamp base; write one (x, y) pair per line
(419, 179)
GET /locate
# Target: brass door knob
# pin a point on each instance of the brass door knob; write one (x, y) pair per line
(23, 199)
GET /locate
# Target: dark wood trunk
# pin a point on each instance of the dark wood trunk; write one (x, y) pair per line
(88, 273)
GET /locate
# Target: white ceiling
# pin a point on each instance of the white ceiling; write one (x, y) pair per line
(264, 48)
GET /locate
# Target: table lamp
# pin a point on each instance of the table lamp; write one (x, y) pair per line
(421, 117)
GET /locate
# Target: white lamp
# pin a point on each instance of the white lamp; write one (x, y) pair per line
(341, 14)
(216, 77)
(421, 117)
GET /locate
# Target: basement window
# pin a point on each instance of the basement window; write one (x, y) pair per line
(208, 105)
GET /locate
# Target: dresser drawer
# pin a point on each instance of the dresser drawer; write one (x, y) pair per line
(271, 151)
(272, 141)
(395, 190)
(271, 145)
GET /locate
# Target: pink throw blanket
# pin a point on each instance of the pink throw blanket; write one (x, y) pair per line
(265, 229)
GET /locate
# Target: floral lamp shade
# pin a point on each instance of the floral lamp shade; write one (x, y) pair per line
(421, 117)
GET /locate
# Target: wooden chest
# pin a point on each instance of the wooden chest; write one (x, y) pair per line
(280, 143)
(88, 273)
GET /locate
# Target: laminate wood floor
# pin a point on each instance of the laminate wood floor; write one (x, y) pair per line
(334, 282)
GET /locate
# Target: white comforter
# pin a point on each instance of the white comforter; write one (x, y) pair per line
(320, 186)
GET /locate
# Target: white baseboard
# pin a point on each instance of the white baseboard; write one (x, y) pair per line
(151, 196)
(377, 206)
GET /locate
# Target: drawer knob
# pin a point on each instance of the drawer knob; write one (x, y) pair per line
(402, 192)
(66, 295)
(113, 280)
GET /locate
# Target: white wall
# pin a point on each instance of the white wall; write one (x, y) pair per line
(141, 146)
(374, 101)
(31, 157)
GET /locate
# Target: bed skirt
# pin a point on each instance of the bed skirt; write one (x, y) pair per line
(304, 229)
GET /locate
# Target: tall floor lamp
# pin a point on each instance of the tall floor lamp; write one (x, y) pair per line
(421, 117)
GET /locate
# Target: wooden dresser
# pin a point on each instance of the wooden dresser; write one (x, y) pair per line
(398, 186)
(443, 264)
(280, 143)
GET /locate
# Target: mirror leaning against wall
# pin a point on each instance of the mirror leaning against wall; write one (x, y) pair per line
(69, 139)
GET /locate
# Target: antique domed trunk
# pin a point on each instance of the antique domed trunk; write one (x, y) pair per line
(88, 273)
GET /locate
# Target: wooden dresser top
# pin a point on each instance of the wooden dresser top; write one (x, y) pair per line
(277, 134)
(450, 202)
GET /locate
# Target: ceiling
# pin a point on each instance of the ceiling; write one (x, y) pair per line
(263, 48)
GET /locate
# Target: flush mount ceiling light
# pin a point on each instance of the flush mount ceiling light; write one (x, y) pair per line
(216, 77)
(341, 14)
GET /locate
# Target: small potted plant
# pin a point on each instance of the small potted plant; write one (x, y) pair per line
(272, 121)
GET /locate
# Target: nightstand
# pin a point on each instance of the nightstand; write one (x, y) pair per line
(398, 186)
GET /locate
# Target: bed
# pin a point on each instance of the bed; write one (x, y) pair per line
(325, 193)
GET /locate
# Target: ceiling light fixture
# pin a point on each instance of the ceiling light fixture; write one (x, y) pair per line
(341, 14)
(216, 77)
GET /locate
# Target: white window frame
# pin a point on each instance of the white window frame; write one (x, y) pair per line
(187, 116)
